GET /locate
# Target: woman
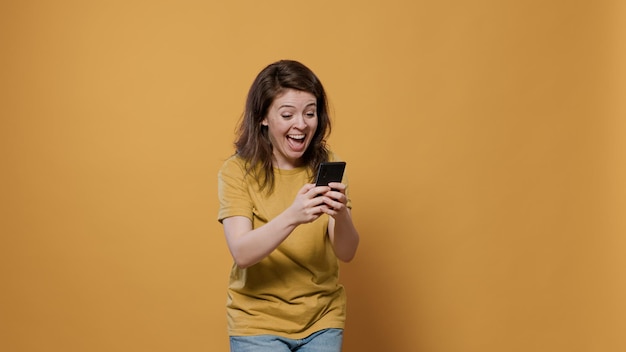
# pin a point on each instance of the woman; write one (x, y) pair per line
(284, 233)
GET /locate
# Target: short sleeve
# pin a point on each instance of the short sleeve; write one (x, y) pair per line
(232, 190)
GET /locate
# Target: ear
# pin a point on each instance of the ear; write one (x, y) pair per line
(264, 122)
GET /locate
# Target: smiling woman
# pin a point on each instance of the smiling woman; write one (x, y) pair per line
(291, 121)
(486, 159)
(284, 233)
(275, 92)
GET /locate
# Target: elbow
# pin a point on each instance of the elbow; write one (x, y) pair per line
(348, 254)
(243, 265)
(241, 261)
(347, 258)
(239, 255)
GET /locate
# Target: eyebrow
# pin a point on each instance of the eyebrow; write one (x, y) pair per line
(292, 106)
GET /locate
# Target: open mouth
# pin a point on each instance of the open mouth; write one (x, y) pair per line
(296, 141)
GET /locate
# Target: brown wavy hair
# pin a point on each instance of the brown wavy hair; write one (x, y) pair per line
(253, 143)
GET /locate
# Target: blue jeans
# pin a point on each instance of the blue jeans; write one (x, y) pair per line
(327, 340)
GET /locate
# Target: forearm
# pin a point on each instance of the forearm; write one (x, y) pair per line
(344, 236)
(249, 246)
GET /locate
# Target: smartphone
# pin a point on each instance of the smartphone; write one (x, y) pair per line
(331, 171)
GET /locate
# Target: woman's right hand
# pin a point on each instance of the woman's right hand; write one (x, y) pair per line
(308, 204)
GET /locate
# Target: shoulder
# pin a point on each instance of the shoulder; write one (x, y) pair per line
(232, 168)
(233, 163)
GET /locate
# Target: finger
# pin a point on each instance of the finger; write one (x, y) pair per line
(337, 196)
(333, 204)
(321, 190)
(338, 186)
(306, 188)
(337, 205)
(317, 201)
(332, 211)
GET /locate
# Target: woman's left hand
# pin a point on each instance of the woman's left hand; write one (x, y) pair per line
(335, 199)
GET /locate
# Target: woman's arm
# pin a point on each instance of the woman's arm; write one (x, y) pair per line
(343, 235)
(249, 246)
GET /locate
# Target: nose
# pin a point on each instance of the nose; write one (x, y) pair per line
(300, 121)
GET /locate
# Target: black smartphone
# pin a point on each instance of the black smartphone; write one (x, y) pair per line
(331, 171)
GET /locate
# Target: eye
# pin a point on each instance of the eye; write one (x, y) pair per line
(286, 116)
(311, 114)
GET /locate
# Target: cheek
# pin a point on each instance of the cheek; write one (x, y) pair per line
(315, 127)
(314, 124)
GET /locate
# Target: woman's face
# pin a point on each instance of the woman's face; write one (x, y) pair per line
(291, 121)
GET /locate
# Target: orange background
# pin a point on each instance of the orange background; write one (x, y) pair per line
(485, 148)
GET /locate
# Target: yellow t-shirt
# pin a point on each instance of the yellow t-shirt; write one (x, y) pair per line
(294, 291)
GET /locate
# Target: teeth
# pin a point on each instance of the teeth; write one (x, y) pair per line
(296, 136)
